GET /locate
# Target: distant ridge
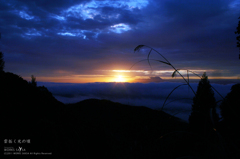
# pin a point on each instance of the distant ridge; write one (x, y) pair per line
(91, 127)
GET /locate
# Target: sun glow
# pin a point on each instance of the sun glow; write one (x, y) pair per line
(120, 78)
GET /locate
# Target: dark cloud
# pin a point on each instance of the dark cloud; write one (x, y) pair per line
(53, 6)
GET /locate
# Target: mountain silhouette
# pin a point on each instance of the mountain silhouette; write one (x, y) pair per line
(92, 128)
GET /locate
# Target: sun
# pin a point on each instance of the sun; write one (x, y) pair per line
(120, 78)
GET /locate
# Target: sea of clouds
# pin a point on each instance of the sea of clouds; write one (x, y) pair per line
(151, 95)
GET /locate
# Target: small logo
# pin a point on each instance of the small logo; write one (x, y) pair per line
(20, 149)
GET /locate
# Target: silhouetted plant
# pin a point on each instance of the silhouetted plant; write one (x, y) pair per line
(212, 108)
(209, 110)
(2, 63)
(33, 81)
(164, 62)
(203, 102)
(230, 106)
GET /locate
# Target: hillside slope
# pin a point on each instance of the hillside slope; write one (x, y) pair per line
(91, 127)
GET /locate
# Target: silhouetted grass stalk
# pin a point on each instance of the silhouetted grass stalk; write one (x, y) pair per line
(167, 62)
(174, 72)
(187, 83)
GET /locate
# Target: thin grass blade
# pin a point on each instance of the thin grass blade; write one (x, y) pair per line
(170, 94)
(148, 59)
(195, 74)
(163, 62)
(138, 48)
(136, 63)
(174, 73)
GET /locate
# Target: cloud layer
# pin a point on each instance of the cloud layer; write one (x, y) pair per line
(151, 95)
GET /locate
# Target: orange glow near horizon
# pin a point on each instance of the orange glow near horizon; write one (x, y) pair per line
(117, 78)
(130, 76)
(83, 79)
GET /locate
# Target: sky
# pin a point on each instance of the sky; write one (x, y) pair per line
(78, 41)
